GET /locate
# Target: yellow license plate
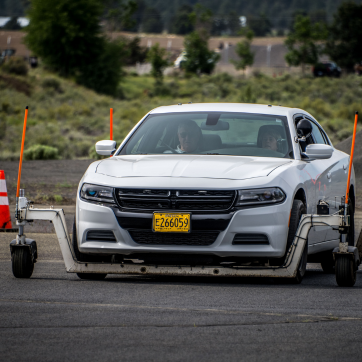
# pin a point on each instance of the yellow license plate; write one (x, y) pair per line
(166, 222)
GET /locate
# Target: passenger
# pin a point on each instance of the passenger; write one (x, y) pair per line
(190, 137)
(270, 140)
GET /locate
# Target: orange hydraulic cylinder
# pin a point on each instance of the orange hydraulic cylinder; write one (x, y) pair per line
(22, 151)
(111, 125)
(351, 157)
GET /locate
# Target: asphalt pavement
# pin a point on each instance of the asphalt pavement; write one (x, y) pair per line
(54, 316)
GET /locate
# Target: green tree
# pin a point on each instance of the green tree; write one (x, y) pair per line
(135, 52)
(244, 52)
(345, 34)
(201, 18)
(302, 42)
(66, 34)
(158, 58)
(119, 14)
(105, 72)
(152, 21)
(181, 23)
(260, 25)
(226, 25)
(199, 59)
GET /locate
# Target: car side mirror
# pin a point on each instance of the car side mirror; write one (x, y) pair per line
(319, 151)
(304, 128)
(106, 147)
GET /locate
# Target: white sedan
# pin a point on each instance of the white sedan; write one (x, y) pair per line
(212, 184)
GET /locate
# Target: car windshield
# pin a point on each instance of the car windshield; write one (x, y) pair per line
(211, 133)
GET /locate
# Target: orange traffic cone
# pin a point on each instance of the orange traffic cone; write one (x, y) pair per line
(5, 219)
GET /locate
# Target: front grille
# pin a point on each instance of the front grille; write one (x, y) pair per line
(195, 238)
(218, 193)
(145, 204)
(141, 192)
(250, 239)
(190, 200)
(202, 205)
(100, 235)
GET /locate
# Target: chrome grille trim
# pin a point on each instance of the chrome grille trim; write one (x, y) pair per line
(143, 193)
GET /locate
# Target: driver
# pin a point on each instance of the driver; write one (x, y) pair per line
(270, 140)
(190, 137)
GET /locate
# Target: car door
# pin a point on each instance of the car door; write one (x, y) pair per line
(319, 176)
(339, 174)
(331, 186)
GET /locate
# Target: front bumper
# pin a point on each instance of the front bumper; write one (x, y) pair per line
(271, 221)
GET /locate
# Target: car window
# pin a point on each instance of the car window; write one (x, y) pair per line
(317, 135)
(226, 133)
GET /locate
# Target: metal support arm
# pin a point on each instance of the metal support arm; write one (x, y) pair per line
(288, 270)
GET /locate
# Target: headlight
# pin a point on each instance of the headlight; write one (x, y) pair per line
(94, 193)
(260, 196)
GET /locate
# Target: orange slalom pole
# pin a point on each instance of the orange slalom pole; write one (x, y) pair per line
(111, 125)
(21, 152)
(350, 162)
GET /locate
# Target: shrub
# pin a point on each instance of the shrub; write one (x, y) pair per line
(15, 66)
(58, 198)
(157, 57)
(41, 152)
(52, 83)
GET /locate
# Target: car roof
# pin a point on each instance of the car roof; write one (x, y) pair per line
(228, 107)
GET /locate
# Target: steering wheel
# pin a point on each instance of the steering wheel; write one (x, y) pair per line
(169, 147)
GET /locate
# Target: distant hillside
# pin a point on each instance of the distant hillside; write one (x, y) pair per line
(345, 146)
(70, 118)
(279, 12)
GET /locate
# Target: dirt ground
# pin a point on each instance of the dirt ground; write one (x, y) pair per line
(46, 182)
(56, 182)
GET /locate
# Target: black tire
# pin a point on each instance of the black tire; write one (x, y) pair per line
(22, 262)
(91, 276)
(345, 271)
(327, 262)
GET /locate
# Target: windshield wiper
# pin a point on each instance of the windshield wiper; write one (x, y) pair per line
(211, 153)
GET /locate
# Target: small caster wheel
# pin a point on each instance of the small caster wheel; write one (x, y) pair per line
(22, 262)
(91, 276)
(345, 271)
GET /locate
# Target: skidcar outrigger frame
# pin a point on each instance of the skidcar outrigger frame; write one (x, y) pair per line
(27, 247)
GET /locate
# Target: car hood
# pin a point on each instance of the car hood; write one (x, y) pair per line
(190, 166)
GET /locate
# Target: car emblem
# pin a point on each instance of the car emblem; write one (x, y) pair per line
(202, 192)
(146, 191)
(159, 205)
